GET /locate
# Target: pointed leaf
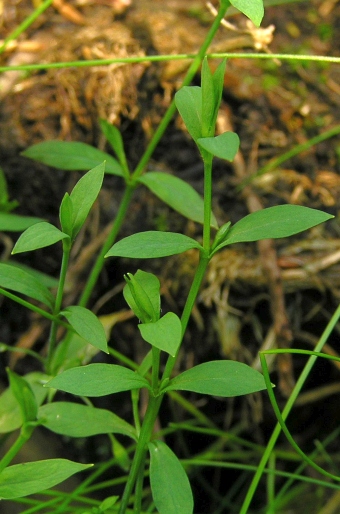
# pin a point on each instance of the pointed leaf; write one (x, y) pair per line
(189, 104)
(63, 418)
(219, 378)
(170, 485)
(115, 139)
(21, 281)
(24, 395)
(66, 215)
(84, 195)
(146, 245)
(15, 223)
(224, 146)
(10, 414)
(32, 477)
(98, 380)
(253, 9)
(165, 334)
(177, 193)
(274, 222)
(87, 325)
(151, 286)
(72, 156)
(38, 236)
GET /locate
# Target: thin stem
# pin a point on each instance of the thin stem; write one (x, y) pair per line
(156, 354)
(207, 159)
(26, 23)
(58, 301)
(25, 433)
(140, 453)
(277, 430)
(225, 4)
(98, 265)
(189, 304)
(139, 488)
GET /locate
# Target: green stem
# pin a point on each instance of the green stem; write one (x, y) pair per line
(189, 304)
(141, 449)
(225, 4)
(139, 487)
(58, 301)
(207, 159)
(26, 23)
(33, 308)
(25, 433)
(296, 391)
(98, 265)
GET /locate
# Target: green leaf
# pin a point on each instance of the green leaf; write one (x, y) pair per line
(152, 244)
(98, 380)
(21, 281)
(15, 223)
(165, 334)
(32, 477)
(66, 215)
(84, 195)
(177, 193)
(38, 236)
(219, 378)
(189, 104)
(72, 156)
(87, 325)
(115, 139)
(10, 413)
(170, 485)
(44, 279)
(274, 222)
(142, 294)
(64, 418)
(71, 352)
(209, 101)
(253, 9)
(24, 395)
(224, 146)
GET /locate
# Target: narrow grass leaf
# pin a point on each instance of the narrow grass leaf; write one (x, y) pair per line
(15, 223)
(178, 194)
(87, 325)
(189, 104)
(170, 485)
(72, 156)
(22, 281)
(165, 334)
(275, 222)
(32, 477)
(219, 378)
(38, 236)
(24, 395)
(224, 146)
(84, 195)
(152, 244)
(252, 9)
(64, 418)
(10, 414)
(98, 380)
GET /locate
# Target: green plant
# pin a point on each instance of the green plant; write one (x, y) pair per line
(67, 366)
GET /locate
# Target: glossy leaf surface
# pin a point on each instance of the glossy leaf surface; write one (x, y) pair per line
(38, 236)
(32, 477)
(98, 380)
(72, 156)
(178, 194)
(22, 281)
(170, 485)
(76, 420)
(219, 378)
(87, 325)
(152, 244)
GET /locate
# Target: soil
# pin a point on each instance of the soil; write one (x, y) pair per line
(279, 293)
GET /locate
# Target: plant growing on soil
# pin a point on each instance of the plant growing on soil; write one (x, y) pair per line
(24, 404)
